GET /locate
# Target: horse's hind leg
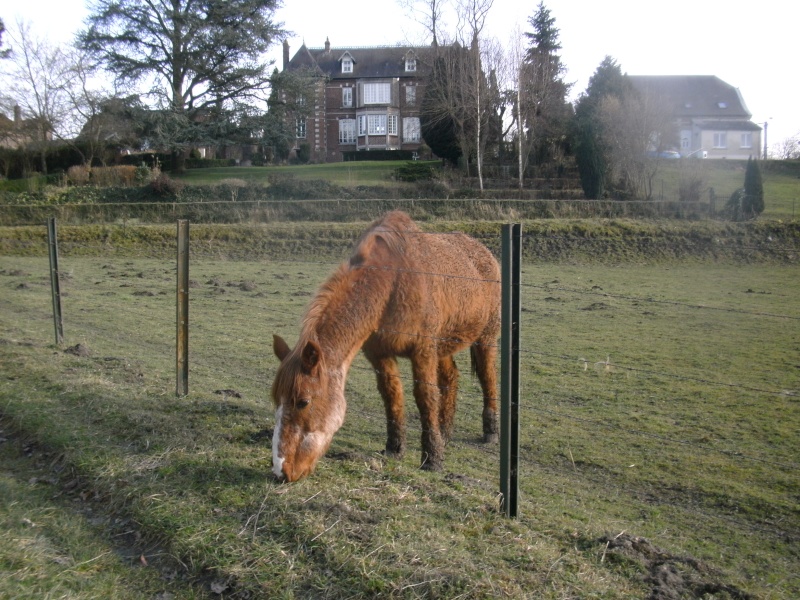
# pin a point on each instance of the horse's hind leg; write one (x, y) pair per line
(448, 392)
(426, 392)
(484, 358)
(391, 389)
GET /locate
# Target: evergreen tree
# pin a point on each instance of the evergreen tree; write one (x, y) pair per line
(753, 189)
(544, 109)
(747, 202)
(202, 57)
(591, 155)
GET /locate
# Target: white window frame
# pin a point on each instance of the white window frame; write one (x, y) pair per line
(392, 125)
(411, 64)
(376, 124)
(377, 93)
(347, 97)
(746, 140)
(300, 128)
(362, 125)
(347, 131)
(411, 95)
(347, 65)
(720, 139)
(411, 129)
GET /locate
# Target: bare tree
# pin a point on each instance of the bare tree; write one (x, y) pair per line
(429, 14)
(788, 149)
(635, 125)
(37, 75)
(472, 19)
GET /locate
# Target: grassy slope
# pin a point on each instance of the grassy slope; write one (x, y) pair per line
(625, 427)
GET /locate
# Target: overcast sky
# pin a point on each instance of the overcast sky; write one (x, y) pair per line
(752, 46)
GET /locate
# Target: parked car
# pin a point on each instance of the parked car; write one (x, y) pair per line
(668, 154)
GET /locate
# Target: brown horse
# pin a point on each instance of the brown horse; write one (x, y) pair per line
(403, 293)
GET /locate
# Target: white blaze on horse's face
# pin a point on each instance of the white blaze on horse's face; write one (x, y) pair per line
(310, 409)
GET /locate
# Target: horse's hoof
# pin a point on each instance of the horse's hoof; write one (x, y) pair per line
(431, 466)
(490, 438)
(394, 453)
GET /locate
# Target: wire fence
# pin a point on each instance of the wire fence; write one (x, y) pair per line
(701, 397)
(345, 210)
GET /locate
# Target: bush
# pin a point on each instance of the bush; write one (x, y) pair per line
(415, 171)
(164, 185)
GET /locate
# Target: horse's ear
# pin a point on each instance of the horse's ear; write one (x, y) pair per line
(373, 247)
(310, 357)
(280, 347)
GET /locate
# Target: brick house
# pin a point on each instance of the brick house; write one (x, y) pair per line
(711, 116)
(367, 100)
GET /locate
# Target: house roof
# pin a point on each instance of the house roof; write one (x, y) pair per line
(694, 96)
(372, 62)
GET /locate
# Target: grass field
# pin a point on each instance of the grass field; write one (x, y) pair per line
(660, 427)
(781, 182)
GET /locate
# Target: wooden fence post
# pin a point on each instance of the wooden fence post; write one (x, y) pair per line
(55, 282)
(509, 368)
(182, 319)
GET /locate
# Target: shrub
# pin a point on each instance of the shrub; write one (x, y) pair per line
(414, 171)
(164, 185)
(690, 188)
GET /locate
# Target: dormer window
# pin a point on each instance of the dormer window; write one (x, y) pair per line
(411, 63)
(347, 65)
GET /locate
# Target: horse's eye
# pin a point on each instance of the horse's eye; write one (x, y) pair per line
(301, 403)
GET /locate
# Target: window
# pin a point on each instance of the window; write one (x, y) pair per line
(411, 95)
(377, 93)
(747, 140)
(376, 124)
(347, 65)
(347, 131)
(411, 130)
(300, 127)
(362, 125)
(411, 64)
(392, 124)
(721, 140)
(347, 96)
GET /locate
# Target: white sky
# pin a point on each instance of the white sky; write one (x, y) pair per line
(750, 45)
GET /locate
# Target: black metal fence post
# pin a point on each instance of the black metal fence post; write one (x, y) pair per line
(509, 367)
(55, 281)
(182, 318)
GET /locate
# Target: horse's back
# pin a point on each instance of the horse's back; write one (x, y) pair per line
(444, 283)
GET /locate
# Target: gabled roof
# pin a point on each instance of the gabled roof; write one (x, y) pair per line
(372, 62)
(695, 95)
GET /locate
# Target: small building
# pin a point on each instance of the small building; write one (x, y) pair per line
(368, 100)
(711, 116)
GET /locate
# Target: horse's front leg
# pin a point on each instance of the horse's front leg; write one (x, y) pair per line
(391, 389)
(426, 393)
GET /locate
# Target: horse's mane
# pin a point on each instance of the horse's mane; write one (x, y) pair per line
(387, 242)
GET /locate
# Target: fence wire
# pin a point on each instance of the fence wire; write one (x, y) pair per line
(228, 371)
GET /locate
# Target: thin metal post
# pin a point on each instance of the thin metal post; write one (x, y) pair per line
(55, 282)
(182, 318)
(509, 368)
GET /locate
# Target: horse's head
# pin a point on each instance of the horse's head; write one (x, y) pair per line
(310, 408)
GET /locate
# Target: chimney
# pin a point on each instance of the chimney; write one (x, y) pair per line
(327, 45)
(285, 54)
(17, 114)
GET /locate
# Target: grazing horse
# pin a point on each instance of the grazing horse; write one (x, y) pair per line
(403, 293)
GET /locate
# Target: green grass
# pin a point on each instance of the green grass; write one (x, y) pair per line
(659, 400)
